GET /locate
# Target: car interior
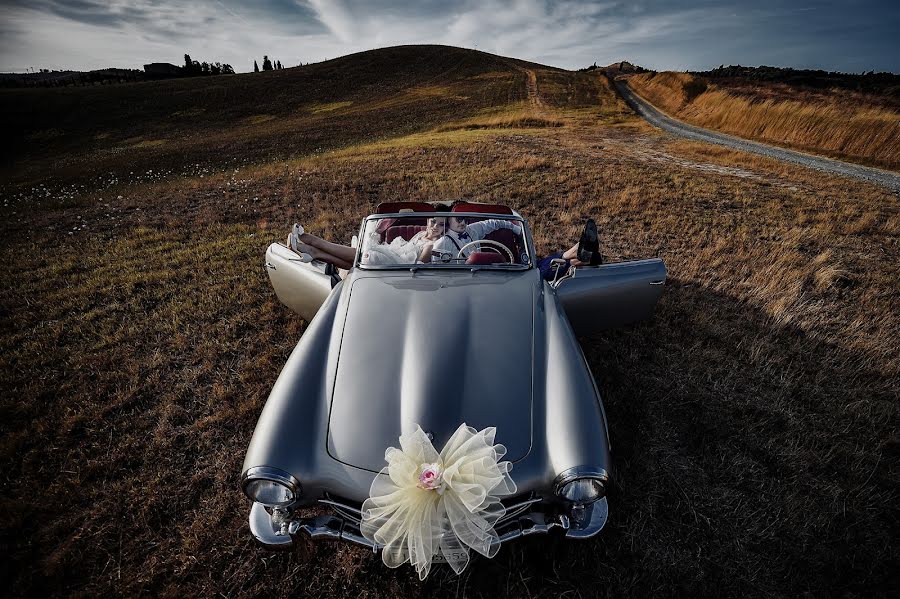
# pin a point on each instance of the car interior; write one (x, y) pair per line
(390, 229)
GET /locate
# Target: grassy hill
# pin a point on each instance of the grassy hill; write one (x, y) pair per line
(260, 116)
(840, 123)
(754, 421)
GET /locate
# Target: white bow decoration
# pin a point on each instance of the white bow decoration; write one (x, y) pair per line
(425, 504)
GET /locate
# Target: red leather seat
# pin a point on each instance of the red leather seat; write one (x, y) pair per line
(486, 258)
(404, 231)
(507, 238)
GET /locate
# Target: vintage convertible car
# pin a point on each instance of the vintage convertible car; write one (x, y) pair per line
(482, 340)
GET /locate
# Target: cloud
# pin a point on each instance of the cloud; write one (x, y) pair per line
(87, 34)
(337, 18)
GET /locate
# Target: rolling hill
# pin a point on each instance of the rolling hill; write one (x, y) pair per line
(294, 112)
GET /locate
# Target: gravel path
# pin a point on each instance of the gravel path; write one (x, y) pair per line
(658, 119)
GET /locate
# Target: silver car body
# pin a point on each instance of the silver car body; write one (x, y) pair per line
(389, 348)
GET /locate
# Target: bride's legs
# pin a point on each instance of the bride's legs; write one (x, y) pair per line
(342, 252)
(320, 254)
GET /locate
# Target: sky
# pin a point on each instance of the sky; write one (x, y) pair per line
(850, 36)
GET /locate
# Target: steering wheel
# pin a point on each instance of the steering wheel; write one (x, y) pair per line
(489, 242)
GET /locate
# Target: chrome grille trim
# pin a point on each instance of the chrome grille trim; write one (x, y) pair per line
(520, 521)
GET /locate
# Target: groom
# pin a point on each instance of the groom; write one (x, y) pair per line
(458, 233)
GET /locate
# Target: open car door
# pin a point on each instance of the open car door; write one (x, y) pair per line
(300, 286)
(610, 295)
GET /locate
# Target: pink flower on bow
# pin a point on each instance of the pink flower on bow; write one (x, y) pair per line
(431, 478)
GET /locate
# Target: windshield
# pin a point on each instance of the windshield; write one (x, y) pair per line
(444, 239)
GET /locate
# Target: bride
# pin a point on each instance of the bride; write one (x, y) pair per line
(399, 251)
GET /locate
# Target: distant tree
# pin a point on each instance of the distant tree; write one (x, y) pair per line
(227, 69)
(204, 68)
(279, 65)
(187, 63)
(267, 64)
(215, 68)
(255, 67)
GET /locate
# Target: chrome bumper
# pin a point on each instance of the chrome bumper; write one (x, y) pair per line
(273, 534)
(326, 527)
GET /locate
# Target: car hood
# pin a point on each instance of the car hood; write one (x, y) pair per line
(435, 350)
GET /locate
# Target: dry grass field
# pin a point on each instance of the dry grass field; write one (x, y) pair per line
(842, 124)
(754, 421)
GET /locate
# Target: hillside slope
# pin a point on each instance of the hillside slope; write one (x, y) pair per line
(291, 112)
(839, 124)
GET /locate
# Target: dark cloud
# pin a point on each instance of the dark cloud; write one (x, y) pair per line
(696, 34)
(172, 16)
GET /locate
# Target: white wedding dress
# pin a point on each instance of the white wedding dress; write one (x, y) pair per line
(398, 251)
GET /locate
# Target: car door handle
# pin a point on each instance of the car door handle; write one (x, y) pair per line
(658, 282)
(270, 266)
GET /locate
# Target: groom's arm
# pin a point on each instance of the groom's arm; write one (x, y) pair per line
(480, 229)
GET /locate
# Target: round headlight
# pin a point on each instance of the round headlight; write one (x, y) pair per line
(582, 484)
(269, 492)
(270, 486)
(583, 490)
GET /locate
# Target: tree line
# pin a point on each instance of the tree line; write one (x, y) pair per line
(866, 82)
(193, 68)
(268, 65)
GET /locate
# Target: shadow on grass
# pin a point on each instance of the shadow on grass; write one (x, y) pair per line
(750, 460)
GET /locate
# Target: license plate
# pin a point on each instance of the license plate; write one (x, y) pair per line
(457, 556)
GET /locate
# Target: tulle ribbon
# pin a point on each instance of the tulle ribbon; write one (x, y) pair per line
(425, 505)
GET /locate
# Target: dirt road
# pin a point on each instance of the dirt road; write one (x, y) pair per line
(534, 96)
(658, 119)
